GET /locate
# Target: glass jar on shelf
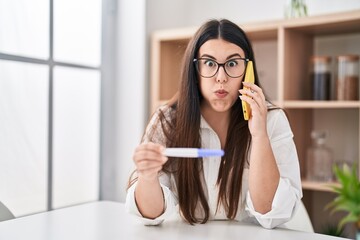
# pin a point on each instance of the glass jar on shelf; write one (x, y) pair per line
(347, 81)
(320, 77)
(319, 159)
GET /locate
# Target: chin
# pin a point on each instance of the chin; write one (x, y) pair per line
(221, 107)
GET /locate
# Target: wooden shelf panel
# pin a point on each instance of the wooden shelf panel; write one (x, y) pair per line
(318, 186)
(340, 23)
(321, 104)
(264, 34)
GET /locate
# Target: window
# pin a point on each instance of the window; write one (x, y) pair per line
(50, 78)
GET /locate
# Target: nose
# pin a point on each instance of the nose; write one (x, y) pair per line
(221, 76)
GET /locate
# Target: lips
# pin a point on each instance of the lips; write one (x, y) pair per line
(221, 93)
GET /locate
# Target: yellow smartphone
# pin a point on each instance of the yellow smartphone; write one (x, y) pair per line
(249, 77)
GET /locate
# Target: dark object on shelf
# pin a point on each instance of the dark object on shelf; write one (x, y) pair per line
(320, 77)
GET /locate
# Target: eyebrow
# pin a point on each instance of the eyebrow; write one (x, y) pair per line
(231, 56)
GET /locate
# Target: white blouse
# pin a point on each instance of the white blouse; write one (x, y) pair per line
(288, 193)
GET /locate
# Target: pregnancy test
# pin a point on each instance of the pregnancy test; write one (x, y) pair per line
(192, 152)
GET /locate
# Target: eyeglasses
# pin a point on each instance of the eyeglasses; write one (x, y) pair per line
(208, 67)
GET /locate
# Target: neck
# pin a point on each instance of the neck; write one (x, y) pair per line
(218, 121)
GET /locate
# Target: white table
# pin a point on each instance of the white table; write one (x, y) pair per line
(108, 220)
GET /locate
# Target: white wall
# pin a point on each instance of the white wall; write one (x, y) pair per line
(182, 13)
(130, 87)
(134, 39)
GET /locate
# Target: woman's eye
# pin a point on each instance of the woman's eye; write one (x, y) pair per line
(210, 63)
(232, 63)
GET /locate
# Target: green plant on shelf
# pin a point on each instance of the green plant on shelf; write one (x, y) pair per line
(333, 230)
(348, 195)
(296, 8)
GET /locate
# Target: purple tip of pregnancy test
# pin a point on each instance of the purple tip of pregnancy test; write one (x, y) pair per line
(210, 152)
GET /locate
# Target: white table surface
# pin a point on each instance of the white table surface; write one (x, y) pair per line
(108, 220)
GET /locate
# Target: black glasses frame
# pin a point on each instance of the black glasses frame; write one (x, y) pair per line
(195, 61)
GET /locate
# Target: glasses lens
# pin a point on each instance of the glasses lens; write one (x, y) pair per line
(235, 67)
(207, 67)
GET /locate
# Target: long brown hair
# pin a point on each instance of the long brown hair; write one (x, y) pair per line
(183, 130)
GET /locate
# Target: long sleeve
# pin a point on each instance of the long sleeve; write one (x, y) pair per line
(154, 133)
(170, 199)
(289, 192)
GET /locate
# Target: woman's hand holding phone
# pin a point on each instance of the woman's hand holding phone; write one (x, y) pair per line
(254, 104)
(249, 78)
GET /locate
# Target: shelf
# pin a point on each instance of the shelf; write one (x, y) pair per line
(318, 186)
(283, 49)
(340, 23)
(321, 104)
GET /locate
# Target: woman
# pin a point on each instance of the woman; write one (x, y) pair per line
(258, 178)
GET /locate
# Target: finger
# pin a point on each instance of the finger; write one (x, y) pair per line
(251, 97)
(255, 89)
(256, 104)
(151, 146)
(148, 155)
(255, 110)
(249, 100)
(259, 99)
(257, 96)
(147, 160)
